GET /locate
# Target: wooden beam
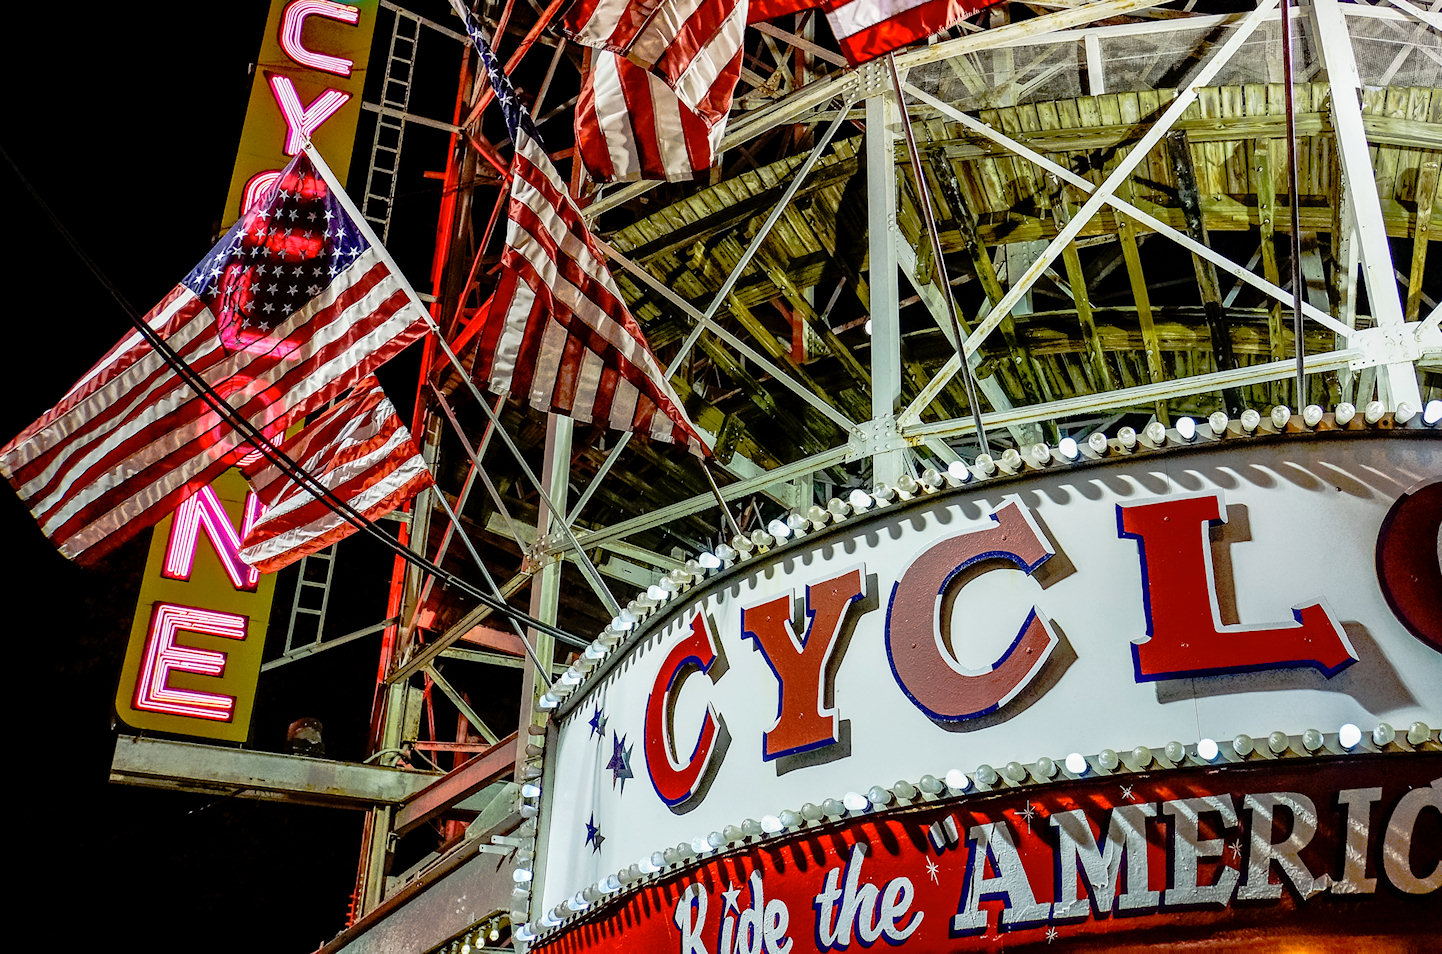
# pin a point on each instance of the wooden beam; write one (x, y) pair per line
(1188, 196)
(1422, 232)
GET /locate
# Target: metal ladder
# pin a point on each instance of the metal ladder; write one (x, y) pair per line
(311, 585)
(380, 190)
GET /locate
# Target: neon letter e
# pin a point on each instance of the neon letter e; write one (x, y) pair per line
(1185, 636)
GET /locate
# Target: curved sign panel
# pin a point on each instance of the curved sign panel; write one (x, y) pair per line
(1183, 596)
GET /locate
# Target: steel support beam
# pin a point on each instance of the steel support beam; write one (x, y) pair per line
(448, 791)
(888, 458)
(1397, 381)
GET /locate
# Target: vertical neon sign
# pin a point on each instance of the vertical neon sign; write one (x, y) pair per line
(199, 630)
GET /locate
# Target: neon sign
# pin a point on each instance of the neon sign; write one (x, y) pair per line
(196, 642)
(292, 23)
(164, 656)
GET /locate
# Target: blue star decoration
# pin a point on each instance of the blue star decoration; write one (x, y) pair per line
(620, 764)
(598, 723)
(593, 834)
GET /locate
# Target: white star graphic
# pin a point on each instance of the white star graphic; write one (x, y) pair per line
(1127, 792)
(931, 869)
(1028, 813)
(1235, 849)
(730, 895)
(1051, 934)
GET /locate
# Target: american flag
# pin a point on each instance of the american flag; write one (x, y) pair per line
(866, 29)
(558, 331)
(359, 451)
(693, 46)
(631, 125)
(288, 310)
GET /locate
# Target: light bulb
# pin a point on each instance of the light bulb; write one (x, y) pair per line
(1068, 448)
(1344, 414)
(1349, 735)
(1281, 414)
(1186, 429)
(1076, 763)
(1218, 422)
(1208, 750)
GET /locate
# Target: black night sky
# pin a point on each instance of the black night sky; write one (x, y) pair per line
(127, 125)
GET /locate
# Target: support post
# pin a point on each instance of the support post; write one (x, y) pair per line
(886, 465)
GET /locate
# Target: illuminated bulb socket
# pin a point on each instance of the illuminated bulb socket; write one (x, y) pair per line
(709, 561)
(1127, 437)
(904, 790)
(840, 509)
(531, 772)
(1312, 740)
(548, 701)
(779, 529)
(732, 834)
(1312, 415)
(907, 486)
(751, 828)
(658, 859)
(1349, 736)
(771, 824)
(725, 554)
(1278, 742)
(1404, 413)
(986, 775)
(957, 781)
(878, 796)
(1010, 461)
(596, 651)
(833, 808)
(1418, 733)
(881, 493)
(631, 874)
(1015, 772)
(1141, 757)
(591, 894)
(1383, 735)
(658, 593)
(530, 789)
(715, 841)
(931, 480)
(957, 473)
(1175, 752)
(1039, 455)
(570, 677)
(742, 544)
(1076, 764)
(797, 522)
(1156, 434)
(1098, 445)
(627, 617)
(1044, 769)
(818, 516)
(673, 581)
(1432, 413)
(1208, 750)
(789, 819)
(521, 875)
(855, 802)
(811, 811)
(1217, 424)
(1281, 414)
(670, 856)
(609, 637)
(1373, 412)
(1068, 448)
(762, 539)
(612, 884)
(930, 784)
(985, 465)
(1108, 759)
(1186, 429)
(529, 811)
(695, 569)
(1344, 414)
(1251, 420)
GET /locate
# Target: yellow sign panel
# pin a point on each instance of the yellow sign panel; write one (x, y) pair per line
(308, 82)
(200, 623)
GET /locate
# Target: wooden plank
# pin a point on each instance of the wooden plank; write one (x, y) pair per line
(1422, 233)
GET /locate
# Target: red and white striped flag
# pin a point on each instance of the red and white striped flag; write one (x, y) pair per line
(866, 29)
(693, 46)
(358, 450)
(288, 310)
(631, 125)
(558, 332)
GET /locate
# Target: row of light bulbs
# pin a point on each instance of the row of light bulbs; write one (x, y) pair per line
(985, 778)
(1039, 457)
